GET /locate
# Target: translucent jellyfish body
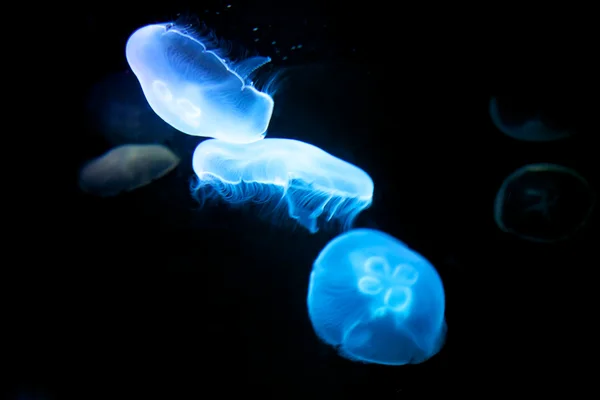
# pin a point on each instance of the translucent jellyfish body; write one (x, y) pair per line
(196, 91)
(376, 300)
(522, 127)
(126, 168)
(311, 184)
(543, 203)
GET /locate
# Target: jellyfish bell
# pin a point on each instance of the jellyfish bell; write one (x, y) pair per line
(531, 128)
(196, 90)
(313, 186)
(126, 168)
(544, 203)
(376, 300)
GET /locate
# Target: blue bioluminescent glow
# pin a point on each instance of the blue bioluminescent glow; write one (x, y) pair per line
(376, 300)
(309, 182)
(195, 90)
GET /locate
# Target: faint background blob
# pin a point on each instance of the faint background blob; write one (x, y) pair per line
(118, 111)
(126, 168)
(543, 203)
(30, 394)
(521, 121)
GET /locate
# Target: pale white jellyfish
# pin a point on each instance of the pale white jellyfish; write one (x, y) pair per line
(126, 168)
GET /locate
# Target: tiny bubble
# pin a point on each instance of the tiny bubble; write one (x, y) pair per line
(293, 48)
(256, 40)
(255, 29)
(284, 58)
(299, 46)
(273, 42)
(228, 5)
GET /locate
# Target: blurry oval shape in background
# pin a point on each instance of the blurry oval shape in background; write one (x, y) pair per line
(517, 124)
(126, 168)
(543, 203)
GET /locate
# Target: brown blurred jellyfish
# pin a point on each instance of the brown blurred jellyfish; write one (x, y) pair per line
(520, 126)
(543, 203)
(126, 168)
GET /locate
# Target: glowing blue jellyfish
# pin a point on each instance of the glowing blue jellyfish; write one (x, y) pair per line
(528, 129)
(376, 300)
(196, 91)
(543, 203)
(312, 185)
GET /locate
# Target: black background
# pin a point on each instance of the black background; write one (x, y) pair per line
(144, 295)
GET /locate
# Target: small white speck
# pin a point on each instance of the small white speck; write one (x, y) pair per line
(255, 29)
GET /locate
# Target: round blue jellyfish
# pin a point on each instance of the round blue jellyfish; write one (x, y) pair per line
(376, 300)
(195, 90)
(311, 184)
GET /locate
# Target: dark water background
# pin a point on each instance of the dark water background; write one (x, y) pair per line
(143, 295)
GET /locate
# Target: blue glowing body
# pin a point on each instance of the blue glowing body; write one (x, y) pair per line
(308, 181)
(195, 90)
(376, 300)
